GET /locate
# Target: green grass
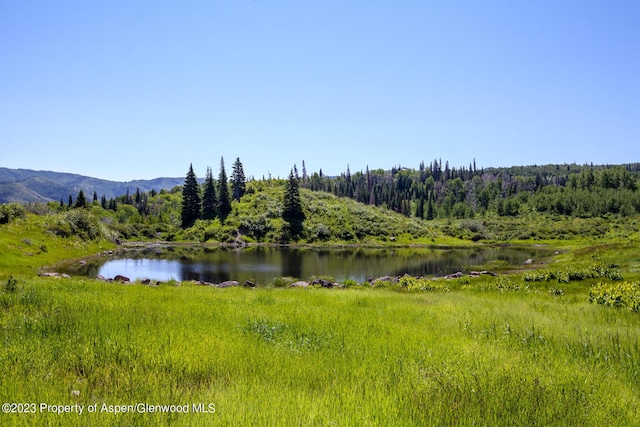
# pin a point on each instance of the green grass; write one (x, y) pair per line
(27, 244)
(469, 356)
(519, 349)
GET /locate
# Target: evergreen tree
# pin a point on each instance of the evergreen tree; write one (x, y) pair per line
(420, 208)
(209, 200)
(103, 202)
(95, 196)
(81, 201)
(430, 213)
(292, 212)
(238, 179)
(190, 199)
(70, 201)
(224, 202)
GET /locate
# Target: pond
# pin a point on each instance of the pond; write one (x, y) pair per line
(263, 264)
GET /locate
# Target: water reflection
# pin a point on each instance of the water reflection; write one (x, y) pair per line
(262, 264)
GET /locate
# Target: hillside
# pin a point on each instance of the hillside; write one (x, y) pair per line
(25, 185)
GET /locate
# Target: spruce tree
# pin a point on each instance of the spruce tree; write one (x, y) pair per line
(420, 208)
(292, 212)
(190, 199)
(430, 212)
(81, 201)
(209, 200)
(238, 180)
(224, 202)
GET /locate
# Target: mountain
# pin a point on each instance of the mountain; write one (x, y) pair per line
(25, 185)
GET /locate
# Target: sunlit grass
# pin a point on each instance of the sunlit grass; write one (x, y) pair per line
(272, 356)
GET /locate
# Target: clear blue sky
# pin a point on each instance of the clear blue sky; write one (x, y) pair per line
(140, 89)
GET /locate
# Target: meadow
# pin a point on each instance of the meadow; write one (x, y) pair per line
(552, 344)
(481, 351)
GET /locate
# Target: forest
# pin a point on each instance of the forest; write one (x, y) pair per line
(354, 207)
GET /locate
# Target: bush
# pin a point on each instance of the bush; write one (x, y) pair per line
(79, 222)
(12, 285)
(417, 284)
(282, 282)
(576, 272)
(10, 211)
(621, 294)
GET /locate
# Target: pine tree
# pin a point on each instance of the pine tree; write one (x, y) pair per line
(292, 212)
(430, 212)
(209, 200)
(224, 202)
(95, 196)
(70, 201)
(190, 199)
(103, 202)
(81, 201)
(238, 180)
(420, 208)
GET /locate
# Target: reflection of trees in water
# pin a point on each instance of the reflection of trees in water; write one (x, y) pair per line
(204, 271)
(291, 262)
(262, 264)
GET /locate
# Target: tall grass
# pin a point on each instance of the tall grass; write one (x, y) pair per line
(469, 356)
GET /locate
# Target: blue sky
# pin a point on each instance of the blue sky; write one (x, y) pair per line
(128, 90)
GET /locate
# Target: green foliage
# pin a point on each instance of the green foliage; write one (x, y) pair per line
(420, 284)
(81, 200)
(292, 211)
(12, 285)
(620, 294)
(77, 222)
(282, 282)
(209, 199)
(191, 203)
(574, 272)
(507, 283)
(11, 211)
(224, 200)
(238, 180)
(321, 357)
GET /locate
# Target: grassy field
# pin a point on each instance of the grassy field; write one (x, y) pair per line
(489, 351)
(529, 348)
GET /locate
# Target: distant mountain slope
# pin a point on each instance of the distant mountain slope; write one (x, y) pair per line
(25, 185)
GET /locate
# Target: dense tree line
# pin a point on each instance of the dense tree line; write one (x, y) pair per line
(435, 191)
(432, 191)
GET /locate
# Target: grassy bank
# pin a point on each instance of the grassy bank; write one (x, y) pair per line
(28, 244)
(479, 354)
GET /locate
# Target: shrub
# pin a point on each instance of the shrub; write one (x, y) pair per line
(504, 283)
(576, 272)
(11, 285)
(417, 284)
(77, 222)
(281, 282)
(10, 211)
(350, 283)
(621, 294)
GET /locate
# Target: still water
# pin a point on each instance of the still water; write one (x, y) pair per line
(262, 264)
